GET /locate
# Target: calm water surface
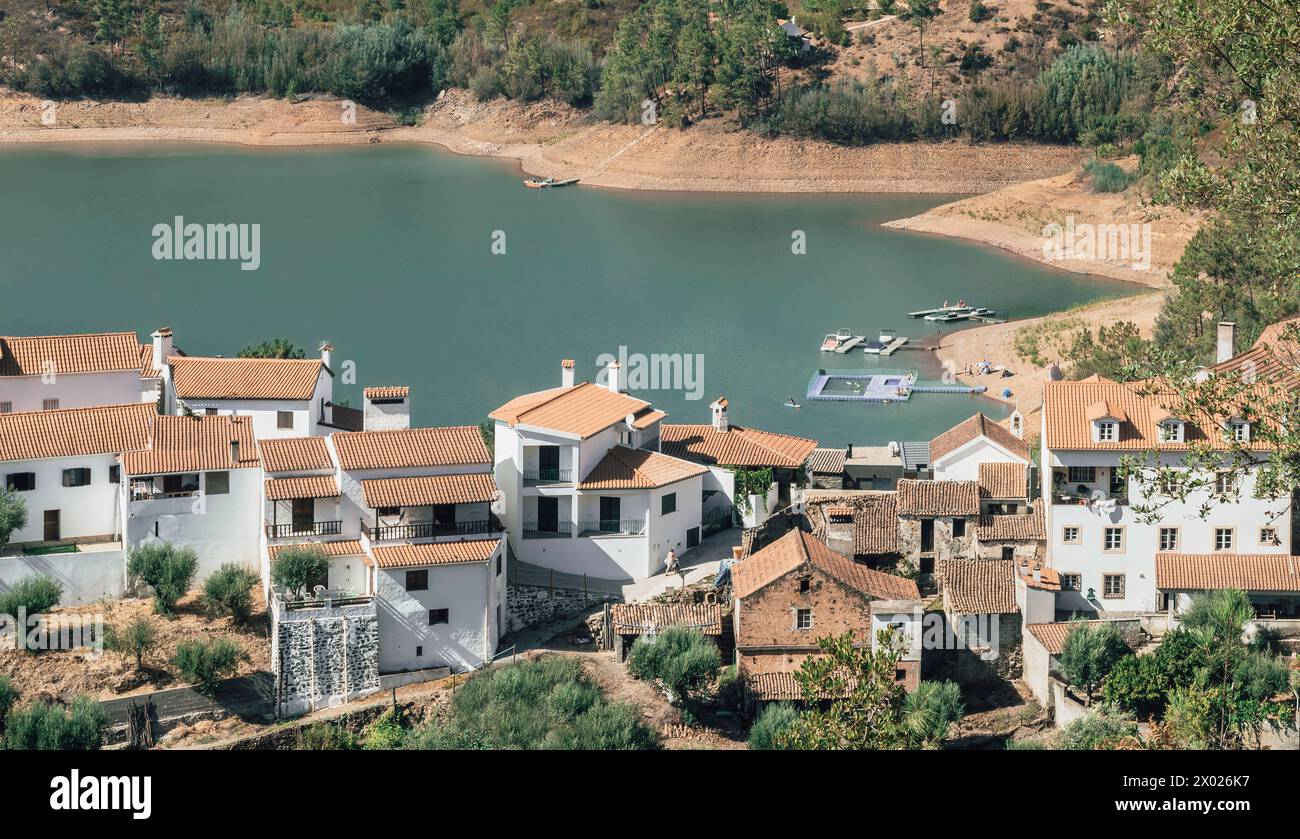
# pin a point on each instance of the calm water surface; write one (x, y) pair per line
(386, 252)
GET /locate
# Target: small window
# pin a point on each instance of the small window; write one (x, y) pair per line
(49, 405)
(1225, 483)
(6, 407)
(1171, 432)
(1223, 538)
(1112, 586)
(668, 504)
(1106, 432)
(1113, 539)
(79, 477)
(417, 580)
(1070, 535)
(1071, 582)
(1240, 432)
(419, 651)
(21, 481)
(210, 412)
(803, 619)
(499, 565)
(388, 511)
(1168, 538)
(284, 419)
(805, 585)
(1082, 474)
(1008, 552)
(900, 675)
(439, 616)
(958, 528)
(1268, 536)
(218, 483)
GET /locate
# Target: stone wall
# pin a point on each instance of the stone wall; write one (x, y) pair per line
(324, 656)
(531, 605)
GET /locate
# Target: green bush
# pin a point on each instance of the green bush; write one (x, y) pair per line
(13, 513)
(1106, 177)
(205, 662)
(32, 595)
(44, 727)
(765, 733)
(228, 591)
(136, 639)
(1100, 728)
(385, 733)
(1089, 653)
(1136, 685)
(166, 569)
(297, 569)
(979, 12)
(1024, 746)
(325, 737)
(680, 657)
(8, 696)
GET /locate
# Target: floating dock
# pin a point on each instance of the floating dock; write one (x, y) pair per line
(850, 344)
(894, 345)
(876, 386)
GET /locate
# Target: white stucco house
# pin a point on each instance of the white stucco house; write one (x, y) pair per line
(51, 372)
(584, 489)
(958, 453)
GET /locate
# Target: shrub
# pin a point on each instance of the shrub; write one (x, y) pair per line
(8, 696)
(205, 662)
(1100, 728)
(228, 591)
(1089, 653)
(929, 712)
(32, 595)
(325, 737)
(1106, 177)
(603, 727)
(680, 657)
(166, 569)
(1024, 746)
(385, 733)
(296, 569)
(134, 640)
(979, 12)
(765, 733)
(13, 513)
(44, 727)
(1136, 685)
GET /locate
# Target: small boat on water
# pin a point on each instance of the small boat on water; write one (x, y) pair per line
(790, 403)
(882, 342)
(547, 183)
(833, 341)
(964, 313)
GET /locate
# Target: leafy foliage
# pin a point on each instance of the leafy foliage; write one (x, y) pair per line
(167, 569)
(228, 591)
(33, 595)
(680, 657)
(206, 661)
(1089, 653)
(325, 737)
(929, 711)
(1101, 727)
(13, 513)
(274, 348)
(136, 639)
(1106, 177)
(769, 729)
(295, 569)
(45, 727)
(8, 697)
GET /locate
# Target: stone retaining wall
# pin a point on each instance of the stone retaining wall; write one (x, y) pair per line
(531, 605)
(324, 656)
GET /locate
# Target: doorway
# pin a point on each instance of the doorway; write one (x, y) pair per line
(52, 528)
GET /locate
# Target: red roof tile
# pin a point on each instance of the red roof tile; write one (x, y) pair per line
(1248, 572)
(434, 553)
(627, 468)
(90, 353)
(196, 377)
(194, 444)
(429, 489)
(111, 429)
(295, 454)
(445, 446)
(796, 548)
(736, 447)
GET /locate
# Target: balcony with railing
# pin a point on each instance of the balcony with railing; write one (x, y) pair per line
(548, 530)
(432, 529)
(303, 528)
(547, 477)
(1079, 487)
(611, 527)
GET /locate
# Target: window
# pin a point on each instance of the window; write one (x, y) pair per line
(1008, 552)
(115, 474)
(805, 585)
(49, 405)
(417, 580)
(1112, 539)
(1112, 586)
(803, 619)
(498, 565)
(284, 419)
(211, 412)
(1070, 535)
(668, 504)
(78, 477)
(1168, 538)
(900, 675)
(1168, 483)
(218, 483)
(1071, 582)
(1082, 474)
(1223, 538)
(437, 616)
(388, 511)
(21, 481)
(419, 651)
(1268, 536)
(1106, 431)
(1240, 432)
(6, 407)
(958, 528)
(1225, 483)
(1171, 431)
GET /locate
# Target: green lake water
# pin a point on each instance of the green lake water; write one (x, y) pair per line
(386, 251)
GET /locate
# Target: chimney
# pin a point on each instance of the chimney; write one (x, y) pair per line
(737, 552)
(234, 451)
(1227, 344)
(162, 347)
(386, 408)
(1018, 424)
(719, 408)
(326, 349)
(614, 380)
(566, 373)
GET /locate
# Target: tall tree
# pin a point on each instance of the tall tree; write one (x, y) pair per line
(920, 13)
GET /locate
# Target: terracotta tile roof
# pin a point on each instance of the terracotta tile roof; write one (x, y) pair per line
(91, 353)
(295, 454)
(1028, 527)
(626, 468)
(1004, 481)
(393, 392)
(434, 553)
(978, 586)
(429, 489)
(1069, 405)
(827, 461)
(938, 498)
(795, 548)
(583, 409)
(632, 618)
(1052, 635)
(977, 426)
(316, 486)
(194, 444)
(195, 377)
(736, 447)
(778, 687)
(146, 363)
(444, 446)
(340, 547)
(875, 525)
(1248, 572)
(111, 429)
(1049, 579)
(648, 418)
